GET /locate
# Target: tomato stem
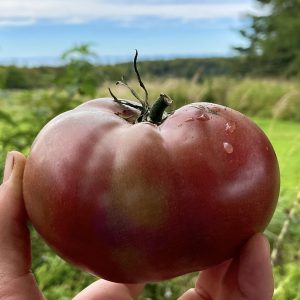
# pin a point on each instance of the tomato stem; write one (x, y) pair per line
(139, 78)
(157, 110)
(155, 114)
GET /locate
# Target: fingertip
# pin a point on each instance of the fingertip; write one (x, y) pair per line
(195, 294)
(190, 294)
(11, 189)
(18, 166)
(257, 248)
(255, 269)
(104, 289)
(9, 162)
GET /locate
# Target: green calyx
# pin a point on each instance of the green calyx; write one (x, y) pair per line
(155, 113)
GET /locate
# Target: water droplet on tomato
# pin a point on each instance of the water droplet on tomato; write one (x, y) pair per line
(228, 147)
(203, 117)
(189, 120)
(230, 127)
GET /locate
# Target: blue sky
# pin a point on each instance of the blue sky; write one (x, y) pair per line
(33, 31)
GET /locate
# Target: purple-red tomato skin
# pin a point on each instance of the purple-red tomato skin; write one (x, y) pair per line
(144, 202)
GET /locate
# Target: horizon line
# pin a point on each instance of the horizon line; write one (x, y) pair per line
(56, 61)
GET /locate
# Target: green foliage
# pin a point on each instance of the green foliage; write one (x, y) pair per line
(16, 79)
(273, 39)
(289, 278)
(268, 98)
(79, 76)
(12, 77)
(59, 280)
(2, 77)
(283, 232)
(169, 290)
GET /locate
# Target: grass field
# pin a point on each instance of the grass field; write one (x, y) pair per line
(285, 137)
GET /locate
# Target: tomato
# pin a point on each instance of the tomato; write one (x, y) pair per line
(145, 201)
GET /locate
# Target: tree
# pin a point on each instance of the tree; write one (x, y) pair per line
(16, 78)
(273, 39)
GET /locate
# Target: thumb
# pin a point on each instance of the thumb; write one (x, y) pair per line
(195, 294)
(255, 270)
(11, 198)
(16, 280)
(14, 168)
(14, 235)
(9, 163)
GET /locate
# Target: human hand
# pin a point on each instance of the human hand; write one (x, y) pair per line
(246, 277)
(16, 280)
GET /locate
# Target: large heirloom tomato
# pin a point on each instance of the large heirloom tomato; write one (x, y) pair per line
(134, 195)
(136, 201)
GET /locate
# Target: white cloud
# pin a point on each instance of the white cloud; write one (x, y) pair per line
(9, 22)
(25, 12)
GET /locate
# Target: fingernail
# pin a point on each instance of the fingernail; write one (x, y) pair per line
(9, 164)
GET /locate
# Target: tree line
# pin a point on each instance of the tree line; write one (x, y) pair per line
(273, 40)
(13, 77)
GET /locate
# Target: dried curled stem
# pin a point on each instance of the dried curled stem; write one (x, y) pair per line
(154, 114)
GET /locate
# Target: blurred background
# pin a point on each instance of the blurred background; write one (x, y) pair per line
(56, 54)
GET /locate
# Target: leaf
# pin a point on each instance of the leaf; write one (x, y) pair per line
(6, 117)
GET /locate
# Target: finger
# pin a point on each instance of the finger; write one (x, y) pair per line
(11, 196)
(107, 290)
(19, 161)
(255, 276)
(195, 294)
(248, 276)
(210, 281)
(16, 280)
(14, 235)
(8, 166)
